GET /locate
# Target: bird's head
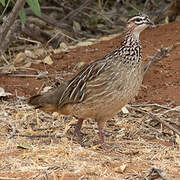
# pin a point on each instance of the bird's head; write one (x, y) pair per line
(137, 24)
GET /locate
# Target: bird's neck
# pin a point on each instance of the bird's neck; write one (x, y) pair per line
(131, 38)
(131, 49)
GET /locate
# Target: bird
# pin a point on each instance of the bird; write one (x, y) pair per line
(103, 87)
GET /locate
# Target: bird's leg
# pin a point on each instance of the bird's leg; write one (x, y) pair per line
(104, 146)
(78, 126)
(101, 135)
(101, 132)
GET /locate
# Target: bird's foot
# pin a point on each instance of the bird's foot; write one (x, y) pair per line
(78, 136)
(77, 131)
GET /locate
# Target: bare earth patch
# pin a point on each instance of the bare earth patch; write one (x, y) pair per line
(137, 141)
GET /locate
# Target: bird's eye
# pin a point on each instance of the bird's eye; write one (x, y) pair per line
(138, 19)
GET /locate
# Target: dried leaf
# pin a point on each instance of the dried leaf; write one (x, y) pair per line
(76, 26)
(123, 167)
(20, 58)
(40, 52)
(62, 48)
(27, 65)
(178, 139)
(3, 93)
(30, 54)
(120, 169)
(48, 60)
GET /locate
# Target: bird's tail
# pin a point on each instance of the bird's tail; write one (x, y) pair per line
(36, 101)
(45, 102)
(48, 101)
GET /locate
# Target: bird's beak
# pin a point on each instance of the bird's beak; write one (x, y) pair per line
(149, 22)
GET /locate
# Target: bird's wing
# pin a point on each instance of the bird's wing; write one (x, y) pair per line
(76, 89)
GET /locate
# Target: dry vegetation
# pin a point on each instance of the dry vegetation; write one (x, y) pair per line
(37, 145)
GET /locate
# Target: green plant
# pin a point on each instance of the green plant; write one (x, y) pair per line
(33, 4)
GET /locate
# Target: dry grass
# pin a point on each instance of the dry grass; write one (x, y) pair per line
(52, 153)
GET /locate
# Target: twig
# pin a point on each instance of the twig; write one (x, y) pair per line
(163, 52)
(40, 89)
(38, 136)
(54, 37)
(4, 10)
(9, 178)
(29, 40)
(79, 9)
(42, 129)
(154, 117)
(155, 173)
(53, 168)
(19, 69)
(9, 21)
(61, 32)
(149, 127)
(99, 4)
(156, 105)
(5, 60)
(173, 109)
(38, 76)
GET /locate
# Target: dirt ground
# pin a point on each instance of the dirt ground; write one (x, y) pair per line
(134, 153)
